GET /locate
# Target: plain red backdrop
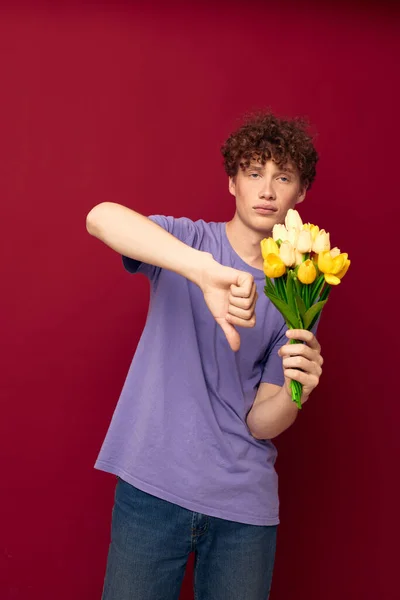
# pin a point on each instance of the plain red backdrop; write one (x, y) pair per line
(130, 103)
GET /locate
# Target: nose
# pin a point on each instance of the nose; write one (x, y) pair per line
(267, 191)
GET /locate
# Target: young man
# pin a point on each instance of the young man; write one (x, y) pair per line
(190, 439)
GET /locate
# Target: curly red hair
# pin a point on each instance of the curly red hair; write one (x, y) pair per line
(264, 136)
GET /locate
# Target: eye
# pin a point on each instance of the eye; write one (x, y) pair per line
(284, 178)
(254, 175)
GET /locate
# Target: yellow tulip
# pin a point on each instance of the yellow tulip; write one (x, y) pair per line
(313, 229)
(304, 242)
(268, 246)
(332, 266)
(293, 236)
(332, 279)
(279, 232)
(298, 257)
(274, 266)
(293, 220)
(307, 272)
(322, 242)
(286, 252)
(343, 272)
(335, 252)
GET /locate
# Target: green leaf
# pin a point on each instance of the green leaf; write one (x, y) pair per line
(298, 283)
(305, 295)
(270, 289)
(280, 286)
(326, 292)
(312, 313)
(316, 288)
(289, 316)
(290, 293)
(301, 306)
(315, 319)
(299, 317)
(270, 286)
(277, 290)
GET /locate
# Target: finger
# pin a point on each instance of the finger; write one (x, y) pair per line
(242, 313)
(238, 322)
(231, 334)
(303, 378)
(299, 362)
(301, 350)
(304, 336)
(244, 303)
(244, 285)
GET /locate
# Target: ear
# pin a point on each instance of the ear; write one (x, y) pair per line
(232, 186)
(302, 195)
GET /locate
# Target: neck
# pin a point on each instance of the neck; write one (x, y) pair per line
(246, 242)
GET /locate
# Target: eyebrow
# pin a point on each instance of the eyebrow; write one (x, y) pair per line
(255, 167)
(261, 168)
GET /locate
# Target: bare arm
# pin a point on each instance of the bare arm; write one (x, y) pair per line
(135, 236)
(229, 294)
(273, 410)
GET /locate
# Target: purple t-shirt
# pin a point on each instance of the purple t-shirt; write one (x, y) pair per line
(179, 429)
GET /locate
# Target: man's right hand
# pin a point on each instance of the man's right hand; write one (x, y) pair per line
(231, 296)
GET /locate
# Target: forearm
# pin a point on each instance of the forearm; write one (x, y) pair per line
(271, 416)
(135, 236)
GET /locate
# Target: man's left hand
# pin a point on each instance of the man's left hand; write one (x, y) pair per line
(302, 362)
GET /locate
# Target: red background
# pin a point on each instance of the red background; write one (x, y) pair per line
(129, 103)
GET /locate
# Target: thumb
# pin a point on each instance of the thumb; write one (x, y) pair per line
(230, 333)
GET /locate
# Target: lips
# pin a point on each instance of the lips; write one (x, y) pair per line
(265, 208)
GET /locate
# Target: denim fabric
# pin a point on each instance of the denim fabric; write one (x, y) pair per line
(151, 541)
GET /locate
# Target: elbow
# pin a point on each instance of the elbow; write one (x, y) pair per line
(258, 435)
(254, 431)
(270, 431)
(262, 431)
(263, 435)
(97, 218)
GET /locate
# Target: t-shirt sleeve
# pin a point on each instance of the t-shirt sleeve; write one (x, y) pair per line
(181, 228)
(273, 369)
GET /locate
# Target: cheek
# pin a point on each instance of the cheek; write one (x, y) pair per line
(237, 192)
(245, 194)
(290, 196)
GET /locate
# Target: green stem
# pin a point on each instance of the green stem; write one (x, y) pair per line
(281, 288)
(278, 288)
(316, 288)
(295, 386)
(325, 292)
(297, 391)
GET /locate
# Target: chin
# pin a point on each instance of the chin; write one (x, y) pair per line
(264, 223)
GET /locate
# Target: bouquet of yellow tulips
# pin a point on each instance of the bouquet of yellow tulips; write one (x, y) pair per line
(300, 269)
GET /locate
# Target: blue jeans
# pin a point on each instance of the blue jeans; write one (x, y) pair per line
(151, 540)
